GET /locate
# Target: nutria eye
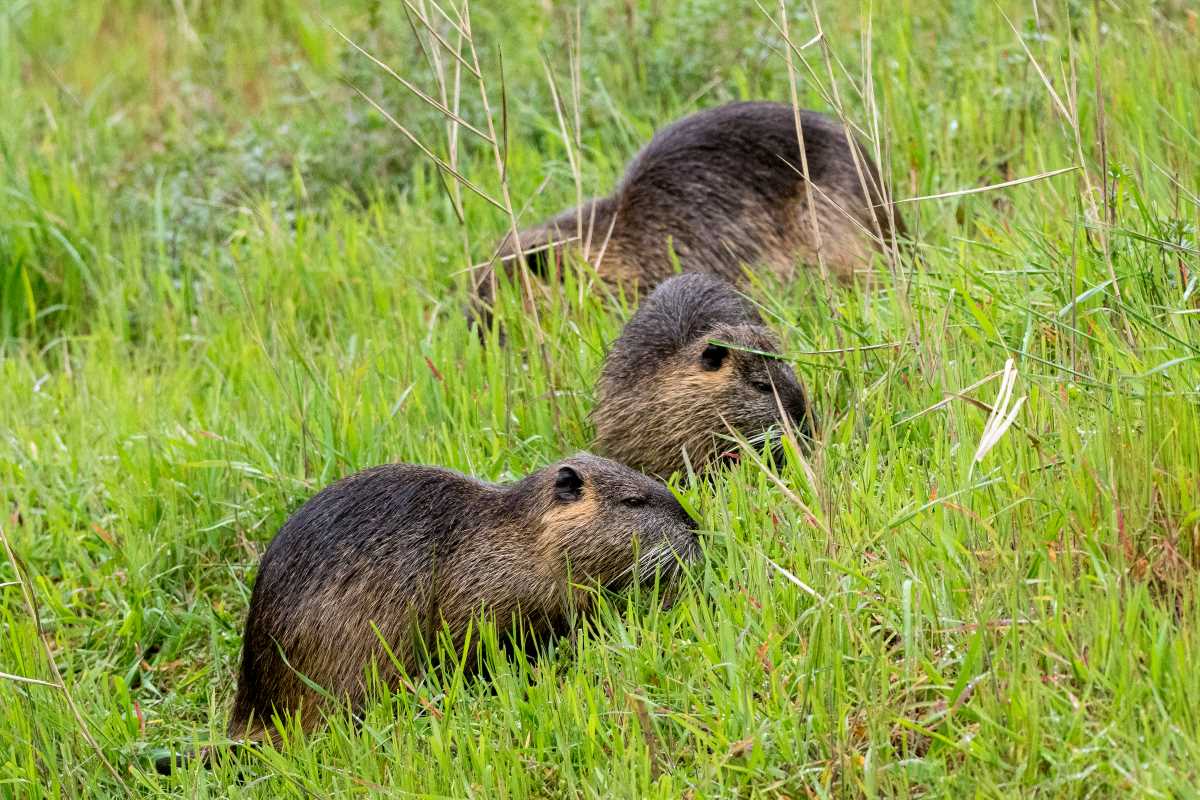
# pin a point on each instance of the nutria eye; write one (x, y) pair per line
(762, 386)
(634, 502)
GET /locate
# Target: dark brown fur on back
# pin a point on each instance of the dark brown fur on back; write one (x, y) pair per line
(722, 188)
(413, 549)
(682, 375)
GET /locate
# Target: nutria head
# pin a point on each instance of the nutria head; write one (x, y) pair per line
(604, 523)
(694, 364)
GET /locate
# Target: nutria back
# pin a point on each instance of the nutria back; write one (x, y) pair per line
(720, 190)
(694, 366)
(404, 553)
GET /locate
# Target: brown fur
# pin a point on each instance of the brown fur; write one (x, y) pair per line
(720, 189)
(681, 380)
(418, 552)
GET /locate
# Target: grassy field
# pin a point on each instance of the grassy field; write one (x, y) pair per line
(226, 280)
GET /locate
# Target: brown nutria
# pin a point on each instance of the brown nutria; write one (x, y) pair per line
(415, 551)
(720, 189)
(694, 362)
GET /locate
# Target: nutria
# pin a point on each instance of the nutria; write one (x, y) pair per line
(693, 365)
(419, 551)
(720, 189)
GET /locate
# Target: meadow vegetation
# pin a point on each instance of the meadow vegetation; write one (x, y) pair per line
(226, 280)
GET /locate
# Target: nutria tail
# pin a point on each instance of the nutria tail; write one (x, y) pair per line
(170, 762)
(584, 230)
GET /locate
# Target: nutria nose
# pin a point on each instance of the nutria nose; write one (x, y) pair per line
(681, 513)
(801, 415)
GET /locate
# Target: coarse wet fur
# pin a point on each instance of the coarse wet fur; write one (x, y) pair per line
(421, 551)
(687, 371)
(720, 189)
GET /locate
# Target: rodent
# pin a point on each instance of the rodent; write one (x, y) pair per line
(670, 384)
(720, 188)
(411, 549)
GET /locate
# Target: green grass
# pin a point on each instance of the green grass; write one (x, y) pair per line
(226, 281)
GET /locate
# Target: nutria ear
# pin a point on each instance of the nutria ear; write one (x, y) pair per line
(568, 486)
(713, 357)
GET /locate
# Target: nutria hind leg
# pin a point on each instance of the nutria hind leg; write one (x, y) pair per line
(284, 695)
(848, 243)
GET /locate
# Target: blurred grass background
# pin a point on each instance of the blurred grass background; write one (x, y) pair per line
(226, 280)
